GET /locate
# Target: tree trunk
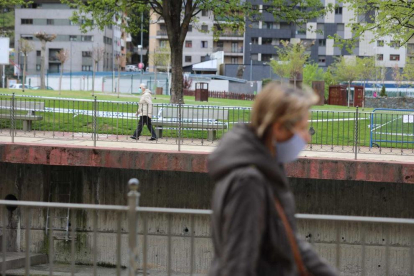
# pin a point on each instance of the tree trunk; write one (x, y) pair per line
(42, 65)
(177, 73)
(24, 70)
(93, 78)
(60, 80)
(294, 80)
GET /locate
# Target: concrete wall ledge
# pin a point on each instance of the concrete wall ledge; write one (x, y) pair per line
(306, 167)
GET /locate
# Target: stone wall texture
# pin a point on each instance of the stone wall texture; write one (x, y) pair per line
(390, 102)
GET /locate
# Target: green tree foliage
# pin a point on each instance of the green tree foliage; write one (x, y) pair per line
(291, 59)
(179, 14)
(383, 18)
(408, 72)
(312, 72)
(383, 93)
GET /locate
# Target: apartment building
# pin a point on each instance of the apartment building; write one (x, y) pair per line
(52, 17)
(263, 36)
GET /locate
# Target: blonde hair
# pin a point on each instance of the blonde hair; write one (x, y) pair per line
(280, 103)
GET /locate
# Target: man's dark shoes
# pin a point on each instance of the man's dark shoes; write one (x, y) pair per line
(135, 138)
(152, 139)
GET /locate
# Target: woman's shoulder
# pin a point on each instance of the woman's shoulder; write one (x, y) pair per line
(248, 178)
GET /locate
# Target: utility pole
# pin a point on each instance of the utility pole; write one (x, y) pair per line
(142, 42)
(251, 62)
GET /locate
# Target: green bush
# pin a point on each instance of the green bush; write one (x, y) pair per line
(265, 81)
(383, 93)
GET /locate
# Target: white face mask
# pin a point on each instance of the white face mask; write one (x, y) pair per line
(139, 90)
(289, 150)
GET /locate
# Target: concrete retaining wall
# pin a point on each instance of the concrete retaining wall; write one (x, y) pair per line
(193, 190)
(393, 103)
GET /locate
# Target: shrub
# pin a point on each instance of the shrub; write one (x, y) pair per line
(383, 93)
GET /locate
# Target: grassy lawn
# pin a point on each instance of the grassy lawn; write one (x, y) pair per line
(334, 125)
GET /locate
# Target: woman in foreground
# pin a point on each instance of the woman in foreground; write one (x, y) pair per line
(253, 224)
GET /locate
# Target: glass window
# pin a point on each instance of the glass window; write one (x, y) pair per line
(322, 42)
(322, 59)
(266, 41)
(271, 25)
(338, 10)
(75, 38)
(87, 38)
(26, 21)
(275, 41)
(188, 44)
(204, 12)
(204, 28)
(380, 57)
(340, 27)
(37, 67)
(254, 56)
(86, 54)
(204, 44)
(38, 53)
(187, 59)
(395, 44)
(410, 48)
(220, 44)
(86, 68)
(254, 25)
(50, 22)
(380, 43)
(234, 60)
(266, 57)
(190, 28)
(255, 40)
(395, 57)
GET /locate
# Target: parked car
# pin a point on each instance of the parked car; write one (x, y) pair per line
(20, 86)
(131, 68)
(38, 87)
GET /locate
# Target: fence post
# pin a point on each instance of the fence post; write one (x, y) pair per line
(179, 125)
(356, 134)
(12, 122)
(133, 202)
(95, 104)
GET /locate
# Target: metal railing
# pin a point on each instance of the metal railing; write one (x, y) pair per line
(146, 239)
(377, 132)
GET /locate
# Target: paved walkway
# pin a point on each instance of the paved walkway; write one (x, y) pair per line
(123, 142)
(82, 270)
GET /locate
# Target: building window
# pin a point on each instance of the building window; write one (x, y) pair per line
(411, 59)
(340, 27)
(37, 67)
(73, 38)
(322, 59)
(86, 54)
(87, 38)
(255, 7)
(395, 44)
(380, 57)
(254, 57)
(204, 12)
(204, 28)
(38, 53)
(301, 30)
(204, 58)
(255, 40)
(267, 41)
(322, 42)
(254, 25)
(234, 60)
(380, 43)
(204, 44)
(190, 28)
(266, 57)
(27, 37)
(320, 28)
(50, 22)
(86, 67)
(188, 44)
(187, 59)
(395, 57)
(338, 10)
(410, 48)
(271, 25)
(220, 44)
(26, 21)
(163, 43)
(275, 41)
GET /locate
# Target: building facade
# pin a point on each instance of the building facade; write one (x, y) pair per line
(263, 36)
(52, 17)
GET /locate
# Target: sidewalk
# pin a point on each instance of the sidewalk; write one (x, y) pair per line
(195, 146)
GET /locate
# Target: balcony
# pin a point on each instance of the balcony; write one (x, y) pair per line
(162, 32)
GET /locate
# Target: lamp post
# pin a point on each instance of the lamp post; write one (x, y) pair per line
(251, 62)
(140, 50)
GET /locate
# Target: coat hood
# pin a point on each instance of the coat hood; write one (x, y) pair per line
(241, 147)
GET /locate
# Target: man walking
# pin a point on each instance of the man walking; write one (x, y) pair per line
(145, 113)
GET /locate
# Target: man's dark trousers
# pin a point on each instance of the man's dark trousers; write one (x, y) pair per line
(147, 121)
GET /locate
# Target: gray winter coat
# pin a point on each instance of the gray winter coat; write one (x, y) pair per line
(249, 238)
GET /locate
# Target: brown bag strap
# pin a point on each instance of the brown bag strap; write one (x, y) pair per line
(292, 240)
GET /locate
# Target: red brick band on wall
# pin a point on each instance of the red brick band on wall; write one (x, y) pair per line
(312, 168)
